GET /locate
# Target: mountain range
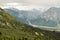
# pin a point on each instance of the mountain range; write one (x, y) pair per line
(23, 15)
(48, 18)
(12, 29)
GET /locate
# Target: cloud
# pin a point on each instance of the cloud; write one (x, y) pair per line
(35, 2)
(43, 2)
(31, 3)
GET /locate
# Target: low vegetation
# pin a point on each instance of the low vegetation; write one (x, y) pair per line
(10, 29)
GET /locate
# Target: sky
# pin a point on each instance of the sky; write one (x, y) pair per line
(31, 3)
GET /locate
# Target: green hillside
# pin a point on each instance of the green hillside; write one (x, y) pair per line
(10, 29)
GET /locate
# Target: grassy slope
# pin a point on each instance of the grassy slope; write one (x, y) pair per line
(10, 29)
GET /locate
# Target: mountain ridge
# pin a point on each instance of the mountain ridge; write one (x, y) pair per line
(48, 18)
(11, 29)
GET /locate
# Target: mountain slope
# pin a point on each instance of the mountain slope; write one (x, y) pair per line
(23, 15)
(10, 29)
(7, 20)
(48, 18)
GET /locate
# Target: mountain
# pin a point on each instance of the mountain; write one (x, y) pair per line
(23, 15)
(48, 18)
(11, 29)
(52, 13)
